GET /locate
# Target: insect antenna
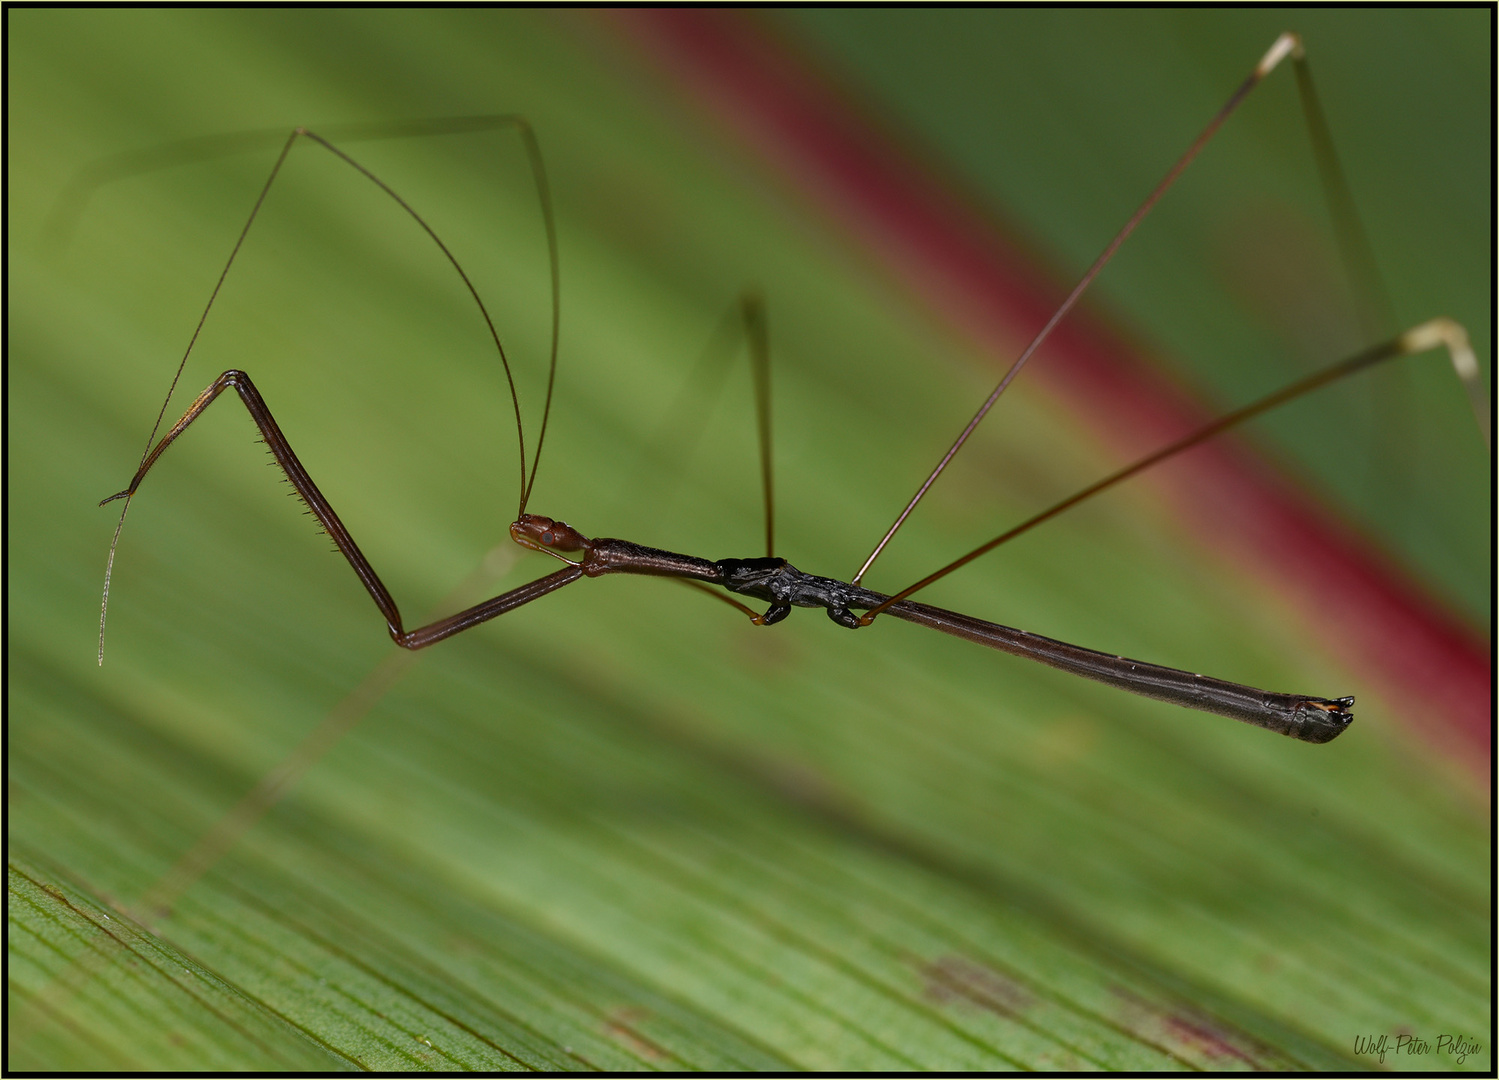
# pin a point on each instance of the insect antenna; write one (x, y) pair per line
(78, 191)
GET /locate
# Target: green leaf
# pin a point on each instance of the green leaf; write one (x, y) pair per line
(620, 828)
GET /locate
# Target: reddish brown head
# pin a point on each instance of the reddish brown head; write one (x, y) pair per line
(540, 533)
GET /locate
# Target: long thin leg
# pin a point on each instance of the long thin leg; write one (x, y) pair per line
(1285, 45)
(757, 333)
(82, 187)
(323, 511)
(687, 416)
(1437, 333)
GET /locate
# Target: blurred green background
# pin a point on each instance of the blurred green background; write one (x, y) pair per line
(621, 828)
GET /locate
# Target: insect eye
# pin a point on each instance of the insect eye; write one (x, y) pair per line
(548, 539)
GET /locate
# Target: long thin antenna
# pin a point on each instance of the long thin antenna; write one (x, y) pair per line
(193, 149)
(109, 564)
